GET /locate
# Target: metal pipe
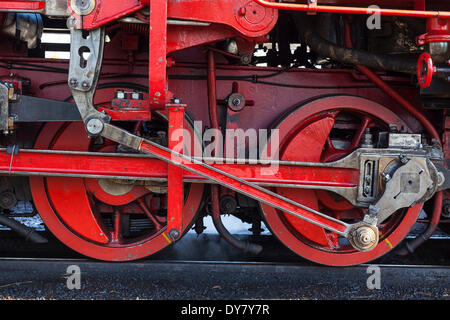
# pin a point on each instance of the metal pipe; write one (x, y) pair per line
(214, 123)
(26, 232)
(435, 218)
(212, 91)
(353, 10)
(390, 91)
(329, 49)
(243, 245)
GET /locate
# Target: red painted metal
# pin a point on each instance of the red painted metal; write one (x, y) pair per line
(247, 17)
(236, 184)
(103, 165)
(126, 109)
(159, 95)
(425, 62)
(354, 10)
(22, 5)
(438, 30)
(105, 11)
(175, 174)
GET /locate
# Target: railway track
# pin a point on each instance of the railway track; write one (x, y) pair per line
(47, 278)
(207, 267)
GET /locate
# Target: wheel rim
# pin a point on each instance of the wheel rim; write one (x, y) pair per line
(92, 217)
(319, 128)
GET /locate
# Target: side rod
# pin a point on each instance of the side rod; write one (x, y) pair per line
(225, 179)
(353, 10)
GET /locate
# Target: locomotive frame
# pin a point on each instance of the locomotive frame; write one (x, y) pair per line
(393, 161)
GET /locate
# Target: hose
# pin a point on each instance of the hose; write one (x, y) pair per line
(26, 232)
(412, 245)
(328, 49)
(243, 245)
(214, 119)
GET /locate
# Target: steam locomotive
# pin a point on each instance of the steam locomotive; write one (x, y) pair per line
(126, 123)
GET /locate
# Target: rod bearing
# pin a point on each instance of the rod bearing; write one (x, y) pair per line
(364, 237)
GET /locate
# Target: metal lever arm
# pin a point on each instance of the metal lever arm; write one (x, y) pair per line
(223, 178)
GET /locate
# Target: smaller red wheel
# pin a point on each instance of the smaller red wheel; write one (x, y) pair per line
(425, 70)
(103, 218)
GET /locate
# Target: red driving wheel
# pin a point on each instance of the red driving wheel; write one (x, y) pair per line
(325, 130)
(103, 218)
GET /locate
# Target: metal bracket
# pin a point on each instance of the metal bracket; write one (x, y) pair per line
(4, 107)
(86, 56)
(409, 184)
(312, 7)
(159, 95)
(175, 197)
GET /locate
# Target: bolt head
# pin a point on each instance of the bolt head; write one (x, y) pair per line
(174, 234)
(94, 126)
(365, 238)
(136, 96)
(120, 95)
(404, 159)
(73, 82)
(85, 85)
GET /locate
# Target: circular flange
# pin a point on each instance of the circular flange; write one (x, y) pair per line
(82, 7)
(253, 17)
(364, 237)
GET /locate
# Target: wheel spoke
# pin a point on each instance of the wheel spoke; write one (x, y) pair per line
(359, 134)
(117, 225)
(149, 214)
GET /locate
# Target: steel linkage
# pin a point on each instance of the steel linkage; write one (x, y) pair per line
(353, 174)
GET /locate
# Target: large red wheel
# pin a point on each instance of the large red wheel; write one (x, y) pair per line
(105, 219)
(325, 130)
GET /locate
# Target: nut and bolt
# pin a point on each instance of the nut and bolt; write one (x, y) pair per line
(246, 59)
(236, 102)
(136, 96)
(404, 159)
(367, 139)
(174, 234)
(120, 95)
(386, 177)
(446, 209)
(94, 126)
(85, 85)
(73, 82)
(393, 128)
(365, 238)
